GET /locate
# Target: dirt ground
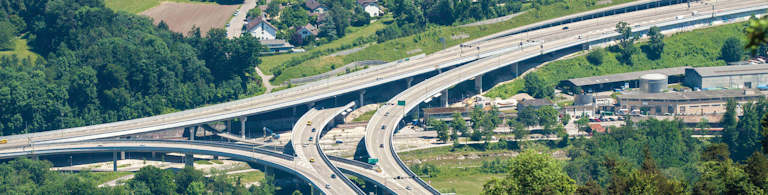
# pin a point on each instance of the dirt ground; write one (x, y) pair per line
(181, 17)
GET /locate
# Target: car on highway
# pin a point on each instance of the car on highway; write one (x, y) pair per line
(312, 160)
(565, 28)
(339, 142)
(3, 141)
(381, 145)
(408, 187)
(327, 186)
(310, 138)
(309, 123)
(383, 127)
(313, 129)
(333, 176)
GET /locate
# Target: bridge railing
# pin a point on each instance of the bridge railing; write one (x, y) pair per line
(351, 162)
(335, 169)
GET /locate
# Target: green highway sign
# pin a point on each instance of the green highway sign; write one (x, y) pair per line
(401, 102)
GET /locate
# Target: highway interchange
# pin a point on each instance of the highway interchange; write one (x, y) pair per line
(495, 53)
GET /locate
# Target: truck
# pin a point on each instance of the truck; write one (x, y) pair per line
(373, 161)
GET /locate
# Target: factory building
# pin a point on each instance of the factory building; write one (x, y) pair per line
(625, 80)
(728, 77)
(684, 103)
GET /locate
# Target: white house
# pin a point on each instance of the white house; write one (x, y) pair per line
(261, 29)
(370, 6)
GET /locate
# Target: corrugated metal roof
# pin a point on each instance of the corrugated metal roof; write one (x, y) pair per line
(732, 70)
(626, 76)
(727, 93)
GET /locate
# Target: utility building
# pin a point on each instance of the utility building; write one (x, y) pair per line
(685, 103)
(728, 77)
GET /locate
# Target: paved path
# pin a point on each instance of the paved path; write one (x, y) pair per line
(265, 80)
(493, 20)
(235, 28)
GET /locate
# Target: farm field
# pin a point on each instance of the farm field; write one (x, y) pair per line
(181, 17)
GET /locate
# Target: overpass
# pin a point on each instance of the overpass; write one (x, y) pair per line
(305, 139)
(384, 123)
(310, 93)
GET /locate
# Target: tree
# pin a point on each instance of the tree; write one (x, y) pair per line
(441, 128)
(582, 123)
(656, 43)
(548, 116)
(294, 16)
(596, 57)
(756, 167)
(528, 116)
(458, 124)
(519, 129)
(626, 43)
(195, 188)
(7, 35)
(186, 178)
(566, 119)
(757, 33)
(532, 173)
(255, 12)
(732, 50)
(159, 181)
(537, 86)
(341, 19)
(273, 8)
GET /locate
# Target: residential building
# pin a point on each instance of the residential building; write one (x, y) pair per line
(260, 28)
(315, 6)
(277, 45)
(585, 110)
(371, 7)
(307, 30)
(685, 103)
(535, 104)
(728, 77)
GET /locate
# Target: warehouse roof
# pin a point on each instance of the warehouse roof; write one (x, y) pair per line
(625, 76)
(732, 70)
(693, 95)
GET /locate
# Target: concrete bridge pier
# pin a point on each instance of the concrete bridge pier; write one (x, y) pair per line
(242, 126)
(408, 82)
(189, 160)
(444, 98)
(362, 98)
(229, 125)
(114, 161)
(479, 84)
(122, 155)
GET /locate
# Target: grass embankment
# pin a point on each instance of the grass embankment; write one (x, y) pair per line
(695, 48)
(138, 6)
(103, 177)
(249, 177)
(365, 116)
(428, 41)
(21, 50)
(461, 171)
(320, 64)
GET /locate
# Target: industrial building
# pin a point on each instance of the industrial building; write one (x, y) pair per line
(684, 103)
(728, 77)
(445, 113)
(623, 80)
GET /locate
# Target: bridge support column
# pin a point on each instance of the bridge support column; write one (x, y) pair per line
(444, 98)
(189, 160)
(479, 84)
(408, 82)
(310, 105)
(192, 132)
(215, 157)
(122, 155)
(229, 126)
(153, 155)
(362, 97)
(242, 126)
(114, 161)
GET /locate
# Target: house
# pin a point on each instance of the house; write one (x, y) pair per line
(320, 16)
(315, 6)
(277, 45)
(597, 128)
(534, 103)
(307, 30)
(370, 6)
(261, 28)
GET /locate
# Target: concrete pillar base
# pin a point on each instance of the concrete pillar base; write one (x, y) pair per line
(114, 161)
(122, 155)
(479, 84)
(189, 160)
(242, 126)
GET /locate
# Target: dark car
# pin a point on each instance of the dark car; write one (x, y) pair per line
(565, 28)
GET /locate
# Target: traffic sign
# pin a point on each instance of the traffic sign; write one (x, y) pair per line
(401, 102)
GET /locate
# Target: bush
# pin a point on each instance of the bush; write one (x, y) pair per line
(732, 50)
(596, 57)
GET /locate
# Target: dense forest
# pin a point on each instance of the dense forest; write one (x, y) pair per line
(25, 176)
(103, 66)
